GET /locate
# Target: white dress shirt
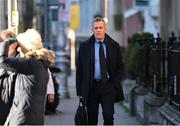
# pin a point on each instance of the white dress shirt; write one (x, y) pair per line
(50, 85)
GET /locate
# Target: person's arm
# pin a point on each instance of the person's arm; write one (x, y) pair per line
(120, 66)
(79, 73)
(119, 95)
(4, 47)
(50, 88)
(15, 64)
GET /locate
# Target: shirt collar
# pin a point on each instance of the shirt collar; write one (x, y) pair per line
(99, 41)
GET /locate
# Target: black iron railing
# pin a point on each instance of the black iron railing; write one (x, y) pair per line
(174, 70)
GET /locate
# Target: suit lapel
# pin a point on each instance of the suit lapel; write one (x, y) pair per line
(109, 54)
(91, 60)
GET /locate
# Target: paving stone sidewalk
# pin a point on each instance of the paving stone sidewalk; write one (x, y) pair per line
(67, 107)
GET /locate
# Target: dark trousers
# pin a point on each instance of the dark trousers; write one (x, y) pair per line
(103, 94)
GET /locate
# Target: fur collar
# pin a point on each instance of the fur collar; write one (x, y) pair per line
(42, 54)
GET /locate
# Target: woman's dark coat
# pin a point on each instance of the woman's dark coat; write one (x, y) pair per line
(85, 67)
(30, 88)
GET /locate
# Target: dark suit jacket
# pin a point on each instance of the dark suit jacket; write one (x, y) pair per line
(85, 67)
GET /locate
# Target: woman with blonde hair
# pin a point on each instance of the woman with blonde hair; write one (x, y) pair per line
(32, 77)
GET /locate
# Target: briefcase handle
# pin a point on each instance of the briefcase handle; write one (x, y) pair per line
(81, 101)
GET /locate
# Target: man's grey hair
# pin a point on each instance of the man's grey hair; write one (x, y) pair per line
(97, 19)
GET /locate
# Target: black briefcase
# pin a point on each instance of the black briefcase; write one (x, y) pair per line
(81, 117)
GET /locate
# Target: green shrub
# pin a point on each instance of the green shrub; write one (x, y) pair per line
(132, 54)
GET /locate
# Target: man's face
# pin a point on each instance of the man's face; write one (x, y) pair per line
(99, 30)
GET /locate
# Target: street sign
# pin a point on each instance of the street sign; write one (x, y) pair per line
(15, 18)
(49, 2)
(141, 4)
(74, 16)
(64, 7)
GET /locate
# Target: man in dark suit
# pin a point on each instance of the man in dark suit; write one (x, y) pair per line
(94, 83)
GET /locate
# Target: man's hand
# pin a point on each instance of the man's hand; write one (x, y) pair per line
(50, 97)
